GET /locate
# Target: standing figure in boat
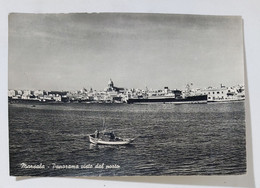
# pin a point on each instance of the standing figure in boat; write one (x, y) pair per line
(96, 134)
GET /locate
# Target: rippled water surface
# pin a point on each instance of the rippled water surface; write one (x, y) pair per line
(187, 139)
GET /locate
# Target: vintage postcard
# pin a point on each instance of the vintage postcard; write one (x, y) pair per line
(126, 94)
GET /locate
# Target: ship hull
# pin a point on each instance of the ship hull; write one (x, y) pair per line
(189, 100)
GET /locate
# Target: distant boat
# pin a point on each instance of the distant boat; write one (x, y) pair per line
(108, 138)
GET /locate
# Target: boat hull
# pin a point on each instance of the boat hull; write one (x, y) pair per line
(111, 142)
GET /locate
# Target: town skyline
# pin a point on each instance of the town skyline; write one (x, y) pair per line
(193, 86)
(115, 94)
(72, 51)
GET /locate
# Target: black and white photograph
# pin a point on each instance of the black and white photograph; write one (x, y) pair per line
(126, 94)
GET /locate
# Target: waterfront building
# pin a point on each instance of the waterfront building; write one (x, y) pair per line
(12, 93)
(38, 93)
(224, 93)
(57, 98)
(62, 93)
(20, 92)
(25, 96)
(27, 92)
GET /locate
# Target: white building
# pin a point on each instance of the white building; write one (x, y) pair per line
(20, 92)
(224, 94)
(57, 98)
(27, 92)
(12, 93)
(38, 93)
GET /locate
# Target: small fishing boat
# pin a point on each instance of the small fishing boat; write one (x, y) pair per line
(108, 138)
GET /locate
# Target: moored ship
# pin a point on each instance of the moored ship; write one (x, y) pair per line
(159, 99)
(169, 96)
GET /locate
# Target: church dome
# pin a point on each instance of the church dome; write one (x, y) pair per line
(110, 83)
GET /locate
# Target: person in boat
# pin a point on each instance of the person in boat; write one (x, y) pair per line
(112, 136)
(96, 134)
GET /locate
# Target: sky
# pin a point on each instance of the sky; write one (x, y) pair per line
(72, 51)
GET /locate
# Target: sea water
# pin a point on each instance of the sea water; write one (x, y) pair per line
(186, 139)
